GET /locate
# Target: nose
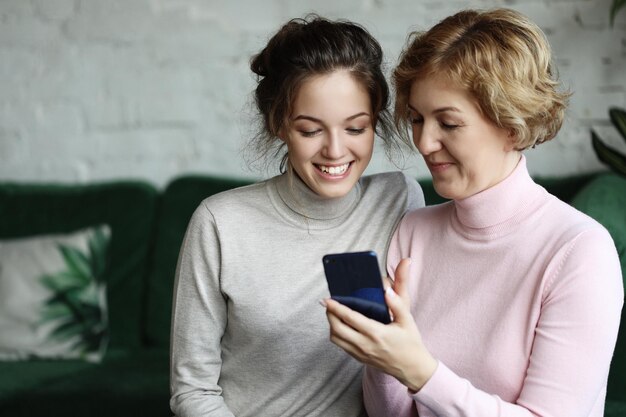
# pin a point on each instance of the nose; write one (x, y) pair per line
(334, 147)
(426, 138)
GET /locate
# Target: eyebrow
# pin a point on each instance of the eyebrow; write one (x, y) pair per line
(314, 119)
(439, 110)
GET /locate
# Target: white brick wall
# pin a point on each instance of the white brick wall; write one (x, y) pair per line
(152, 89)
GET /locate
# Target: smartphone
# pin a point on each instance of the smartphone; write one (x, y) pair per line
(355, 281)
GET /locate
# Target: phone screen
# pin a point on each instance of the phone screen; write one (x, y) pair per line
(354, 280)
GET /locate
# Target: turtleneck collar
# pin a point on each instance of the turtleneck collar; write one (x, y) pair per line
(493, 209)
(304, 206)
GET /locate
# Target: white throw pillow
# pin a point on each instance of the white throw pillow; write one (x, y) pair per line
(53, 296)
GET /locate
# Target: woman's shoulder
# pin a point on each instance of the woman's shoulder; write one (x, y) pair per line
(570, 221)
(429, 213)
(422, 223)
(583, 251)
(235, 199)
(394, 185)
(396, 179)
(573, 238)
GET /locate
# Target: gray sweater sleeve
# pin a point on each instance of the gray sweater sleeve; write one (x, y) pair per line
(198, 322)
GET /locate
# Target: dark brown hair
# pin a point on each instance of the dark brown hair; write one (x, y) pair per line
(308, 47)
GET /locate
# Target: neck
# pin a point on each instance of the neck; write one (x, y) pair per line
(500, 203)
(308, 205)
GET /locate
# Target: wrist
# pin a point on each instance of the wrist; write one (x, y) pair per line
(421, 374)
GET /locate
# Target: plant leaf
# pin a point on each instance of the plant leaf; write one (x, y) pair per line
(64, 296)
(67, 330)
(61, 281)
(89, 295)
(98, 245)
(74, 305)
(54, 312)
(71, 299)
(608, 155)
(618, 117)
(77, 262)
(91, 312)
(90, 341)
(51, 282)
(615, 7)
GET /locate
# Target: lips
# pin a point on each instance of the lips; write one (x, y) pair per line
(438, 166)
(334, 170)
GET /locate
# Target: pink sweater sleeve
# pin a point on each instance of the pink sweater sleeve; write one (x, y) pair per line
(573, 343)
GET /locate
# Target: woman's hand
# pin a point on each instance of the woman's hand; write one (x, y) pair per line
(396, 348)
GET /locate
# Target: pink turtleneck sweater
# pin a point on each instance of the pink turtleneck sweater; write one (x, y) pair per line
(518, 295)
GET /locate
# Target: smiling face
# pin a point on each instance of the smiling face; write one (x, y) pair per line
(330, 134)
(465, 152)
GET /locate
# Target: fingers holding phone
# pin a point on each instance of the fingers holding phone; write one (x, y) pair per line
(395, 348)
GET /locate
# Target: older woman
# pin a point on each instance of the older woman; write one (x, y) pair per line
(511, 303)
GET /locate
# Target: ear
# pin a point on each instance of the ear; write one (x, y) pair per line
(511, 141)
(282, 134)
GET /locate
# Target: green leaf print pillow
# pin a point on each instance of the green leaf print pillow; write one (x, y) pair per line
(53, 296)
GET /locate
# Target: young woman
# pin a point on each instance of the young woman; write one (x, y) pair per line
(511, 303)
(249, 338)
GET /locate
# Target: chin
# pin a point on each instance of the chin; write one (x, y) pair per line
(445, 191)
(337, 190)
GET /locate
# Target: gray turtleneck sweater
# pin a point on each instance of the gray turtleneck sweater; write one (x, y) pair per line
(249, 337)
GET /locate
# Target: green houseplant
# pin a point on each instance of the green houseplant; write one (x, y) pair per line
(610, 156)
(615, 7)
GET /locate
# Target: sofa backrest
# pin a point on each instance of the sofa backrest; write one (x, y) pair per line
(127, 207)
(179, 200)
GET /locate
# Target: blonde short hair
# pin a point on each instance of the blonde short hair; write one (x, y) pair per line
(500, 57)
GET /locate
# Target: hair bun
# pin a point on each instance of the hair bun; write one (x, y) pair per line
(258, 65)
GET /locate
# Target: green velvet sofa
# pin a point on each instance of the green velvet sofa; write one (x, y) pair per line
(147, 227)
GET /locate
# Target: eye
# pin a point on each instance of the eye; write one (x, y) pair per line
(309, 133)
(448, 126)
(355, 131)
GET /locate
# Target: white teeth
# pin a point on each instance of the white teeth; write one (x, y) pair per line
(338, 170)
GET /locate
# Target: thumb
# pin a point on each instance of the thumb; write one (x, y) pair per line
(398, 307)
(401, 281)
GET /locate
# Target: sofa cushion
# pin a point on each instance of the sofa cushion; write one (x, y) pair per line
(52, 295)
(615, 409)
(604, 199)
(180, 199)
(127, 207)
(126, 383)
(22, 377)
